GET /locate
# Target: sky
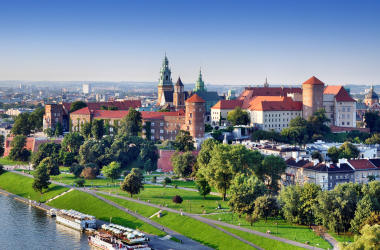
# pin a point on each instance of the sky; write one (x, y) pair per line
(234, 42)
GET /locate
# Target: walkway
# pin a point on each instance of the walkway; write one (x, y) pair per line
(209, 222)
(186, 242)
(213, 223)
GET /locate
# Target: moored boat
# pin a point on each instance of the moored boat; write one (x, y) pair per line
(75, 219)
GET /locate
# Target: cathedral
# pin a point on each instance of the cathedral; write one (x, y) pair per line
(173, 97)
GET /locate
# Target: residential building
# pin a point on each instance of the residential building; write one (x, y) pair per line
(86, 88)
(221, 109)
(363, 169)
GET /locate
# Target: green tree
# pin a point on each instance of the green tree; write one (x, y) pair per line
(41, 178)
(112, 170)
(72, 142)
(132, 122)
(85, 130)
(374, 139)
(35, 119)
(76, 169)
(372, 121)
(369, 239)
(2, 140)
(365, 207)
(183, 141)
(77, 105)
(272, 168)
(18, 151)
(238, 117)
(21, 125)
(97, 152)
(88, 173)
(183, 163)
(49, 132)
(97, 129)
(204, 154)
(133, 182)
(348, 151)
(243, 193)
(265, 206)
(2, 171)
(148, 130)
(317, 155)
(48, 149)
(334, 154)
(317, 127)
(52, 165)
(58, 129)
(203, 186)
(297, 131)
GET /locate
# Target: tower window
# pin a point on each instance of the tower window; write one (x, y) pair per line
(167, 77)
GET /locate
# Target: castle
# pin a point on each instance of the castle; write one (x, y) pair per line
(272, 108)
(173, 96)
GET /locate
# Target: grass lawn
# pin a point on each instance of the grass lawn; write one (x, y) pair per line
(261, 241)
(22, 186)
(70, 178)
(186, 184)
(347, 237)
(192, 201)
(89, 204)
(184, 225)
(283, 229)
(6, 161)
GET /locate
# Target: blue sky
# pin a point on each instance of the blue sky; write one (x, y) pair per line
(238, 42)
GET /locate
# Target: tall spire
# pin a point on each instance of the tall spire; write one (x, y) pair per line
(200, 85)
(165, 73)
(266, 85)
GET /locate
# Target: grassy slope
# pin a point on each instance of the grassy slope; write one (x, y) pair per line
(6, 161)
(192, 201)
(22, 186)
(285, 230)
(261, 241)
(196, 230)
(70, 178)
(89, 204)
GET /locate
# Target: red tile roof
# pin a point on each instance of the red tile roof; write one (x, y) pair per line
(121, 105)
(274, 103)
(340, 93)
(82, 111)
(195, 98)
(362, 164)
(313, 81)
(228, 104)
(250, 92)
(119, 114)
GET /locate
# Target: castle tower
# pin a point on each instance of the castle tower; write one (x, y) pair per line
(371, 97)
(266, 84)
(195, 115)
(165, 82)
(179, 95)
(312, 96)
(200, 85)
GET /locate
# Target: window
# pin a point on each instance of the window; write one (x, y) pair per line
(161, 131)
(152, 123)
(152, 130)
(161, 124)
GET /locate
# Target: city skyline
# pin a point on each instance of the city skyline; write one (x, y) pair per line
(234, 43)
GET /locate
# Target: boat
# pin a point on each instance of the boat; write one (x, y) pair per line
(109, 242)
(75, 219)
(117, 237)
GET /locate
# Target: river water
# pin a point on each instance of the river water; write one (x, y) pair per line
(24, 227)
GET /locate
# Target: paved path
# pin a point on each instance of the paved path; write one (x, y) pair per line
(186, 242)
(332, 241)
(214, 222)
(209, 222)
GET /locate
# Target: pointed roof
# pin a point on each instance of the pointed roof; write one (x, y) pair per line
(313, 81)
(340, 93)
(195, 98)
(179, 82)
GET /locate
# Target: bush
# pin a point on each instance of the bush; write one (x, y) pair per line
(1, 169)
(167, 180)
(80, 182)
(76, 169)
(177, 199)
(154, 179)
(89, 173)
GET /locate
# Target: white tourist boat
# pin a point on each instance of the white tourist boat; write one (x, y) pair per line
(75, 219)
(113, 236)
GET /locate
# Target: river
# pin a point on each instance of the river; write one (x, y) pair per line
(24, 227)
